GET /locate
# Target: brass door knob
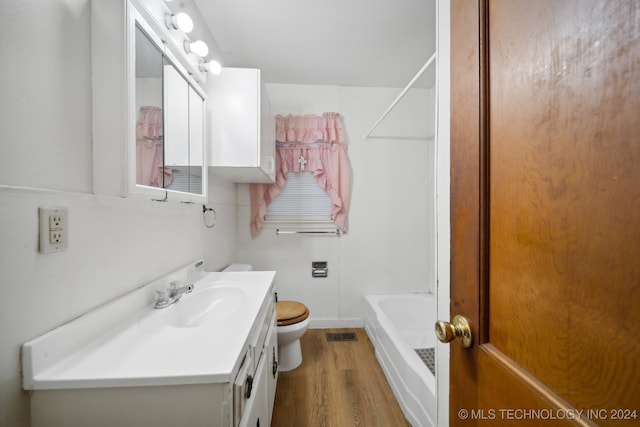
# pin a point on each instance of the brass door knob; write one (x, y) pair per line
(460, 329)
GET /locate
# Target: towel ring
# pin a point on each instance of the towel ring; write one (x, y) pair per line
(204, 216)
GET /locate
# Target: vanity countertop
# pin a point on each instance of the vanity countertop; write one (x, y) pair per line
(129, 343)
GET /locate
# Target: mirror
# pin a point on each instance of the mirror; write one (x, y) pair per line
(149, 116)
(169, 121)
(184, 125)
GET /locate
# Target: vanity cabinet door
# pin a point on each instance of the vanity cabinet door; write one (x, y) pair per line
(196, 142)
(176, 118)
(271, 350)
(256, 413)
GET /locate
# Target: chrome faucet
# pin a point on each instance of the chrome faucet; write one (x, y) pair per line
(166, 297)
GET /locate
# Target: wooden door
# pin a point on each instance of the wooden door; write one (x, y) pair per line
(545, 211)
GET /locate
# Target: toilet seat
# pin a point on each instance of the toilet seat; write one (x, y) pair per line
(291, 312)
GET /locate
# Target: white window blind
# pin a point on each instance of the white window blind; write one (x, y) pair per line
(301, 199)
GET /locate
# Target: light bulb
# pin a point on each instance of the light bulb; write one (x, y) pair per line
(180, 21)
(198, 47)
(214, 67)
(184, 22)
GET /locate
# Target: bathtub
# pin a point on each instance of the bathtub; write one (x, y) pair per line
(397, 324)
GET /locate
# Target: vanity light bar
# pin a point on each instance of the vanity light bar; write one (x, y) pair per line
(183, 22)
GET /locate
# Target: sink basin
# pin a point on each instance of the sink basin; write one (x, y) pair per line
(204, 306)
(207, 304)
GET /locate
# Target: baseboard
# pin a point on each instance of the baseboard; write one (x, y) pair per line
(336, 323)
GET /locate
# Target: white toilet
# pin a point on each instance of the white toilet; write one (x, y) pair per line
(293, 322)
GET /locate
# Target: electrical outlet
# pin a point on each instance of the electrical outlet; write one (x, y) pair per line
(53, 229)
(55, 237)
(55, 222)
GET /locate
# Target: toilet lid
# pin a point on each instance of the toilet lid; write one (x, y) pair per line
(290, 312)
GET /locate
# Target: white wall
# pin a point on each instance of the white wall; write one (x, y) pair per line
(115, 244)
(390, 246)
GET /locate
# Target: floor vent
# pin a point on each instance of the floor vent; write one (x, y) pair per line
(428, 357)
(341, 336)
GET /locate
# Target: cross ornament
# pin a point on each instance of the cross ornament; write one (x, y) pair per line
(302, 162)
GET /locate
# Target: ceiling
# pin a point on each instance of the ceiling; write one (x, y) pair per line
(376, 43)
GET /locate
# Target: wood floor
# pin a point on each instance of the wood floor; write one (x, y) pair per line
(339, 384)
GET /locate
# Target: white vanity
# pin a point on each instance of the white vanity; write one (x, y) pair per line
(208, 359)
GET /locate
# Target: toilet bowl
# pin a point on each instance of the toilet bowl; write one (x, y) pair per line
(293, 322)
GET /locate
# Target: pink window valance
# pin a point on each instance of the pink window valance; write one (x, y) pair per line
(150, 169)
(328, 162)
(309, 128)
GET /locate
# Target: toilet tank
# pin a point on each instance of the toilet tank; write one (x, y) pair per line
(238, 267)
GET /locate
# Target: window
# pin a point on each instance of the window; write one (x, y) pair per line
(301, 199)
(313, 175)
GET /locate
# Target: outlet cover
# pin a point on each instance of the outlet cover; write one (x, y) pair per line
(53, 229)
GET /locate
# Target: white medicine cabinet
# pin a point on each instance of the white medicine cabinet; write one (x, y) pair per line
(243, 127)
(149, 133)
